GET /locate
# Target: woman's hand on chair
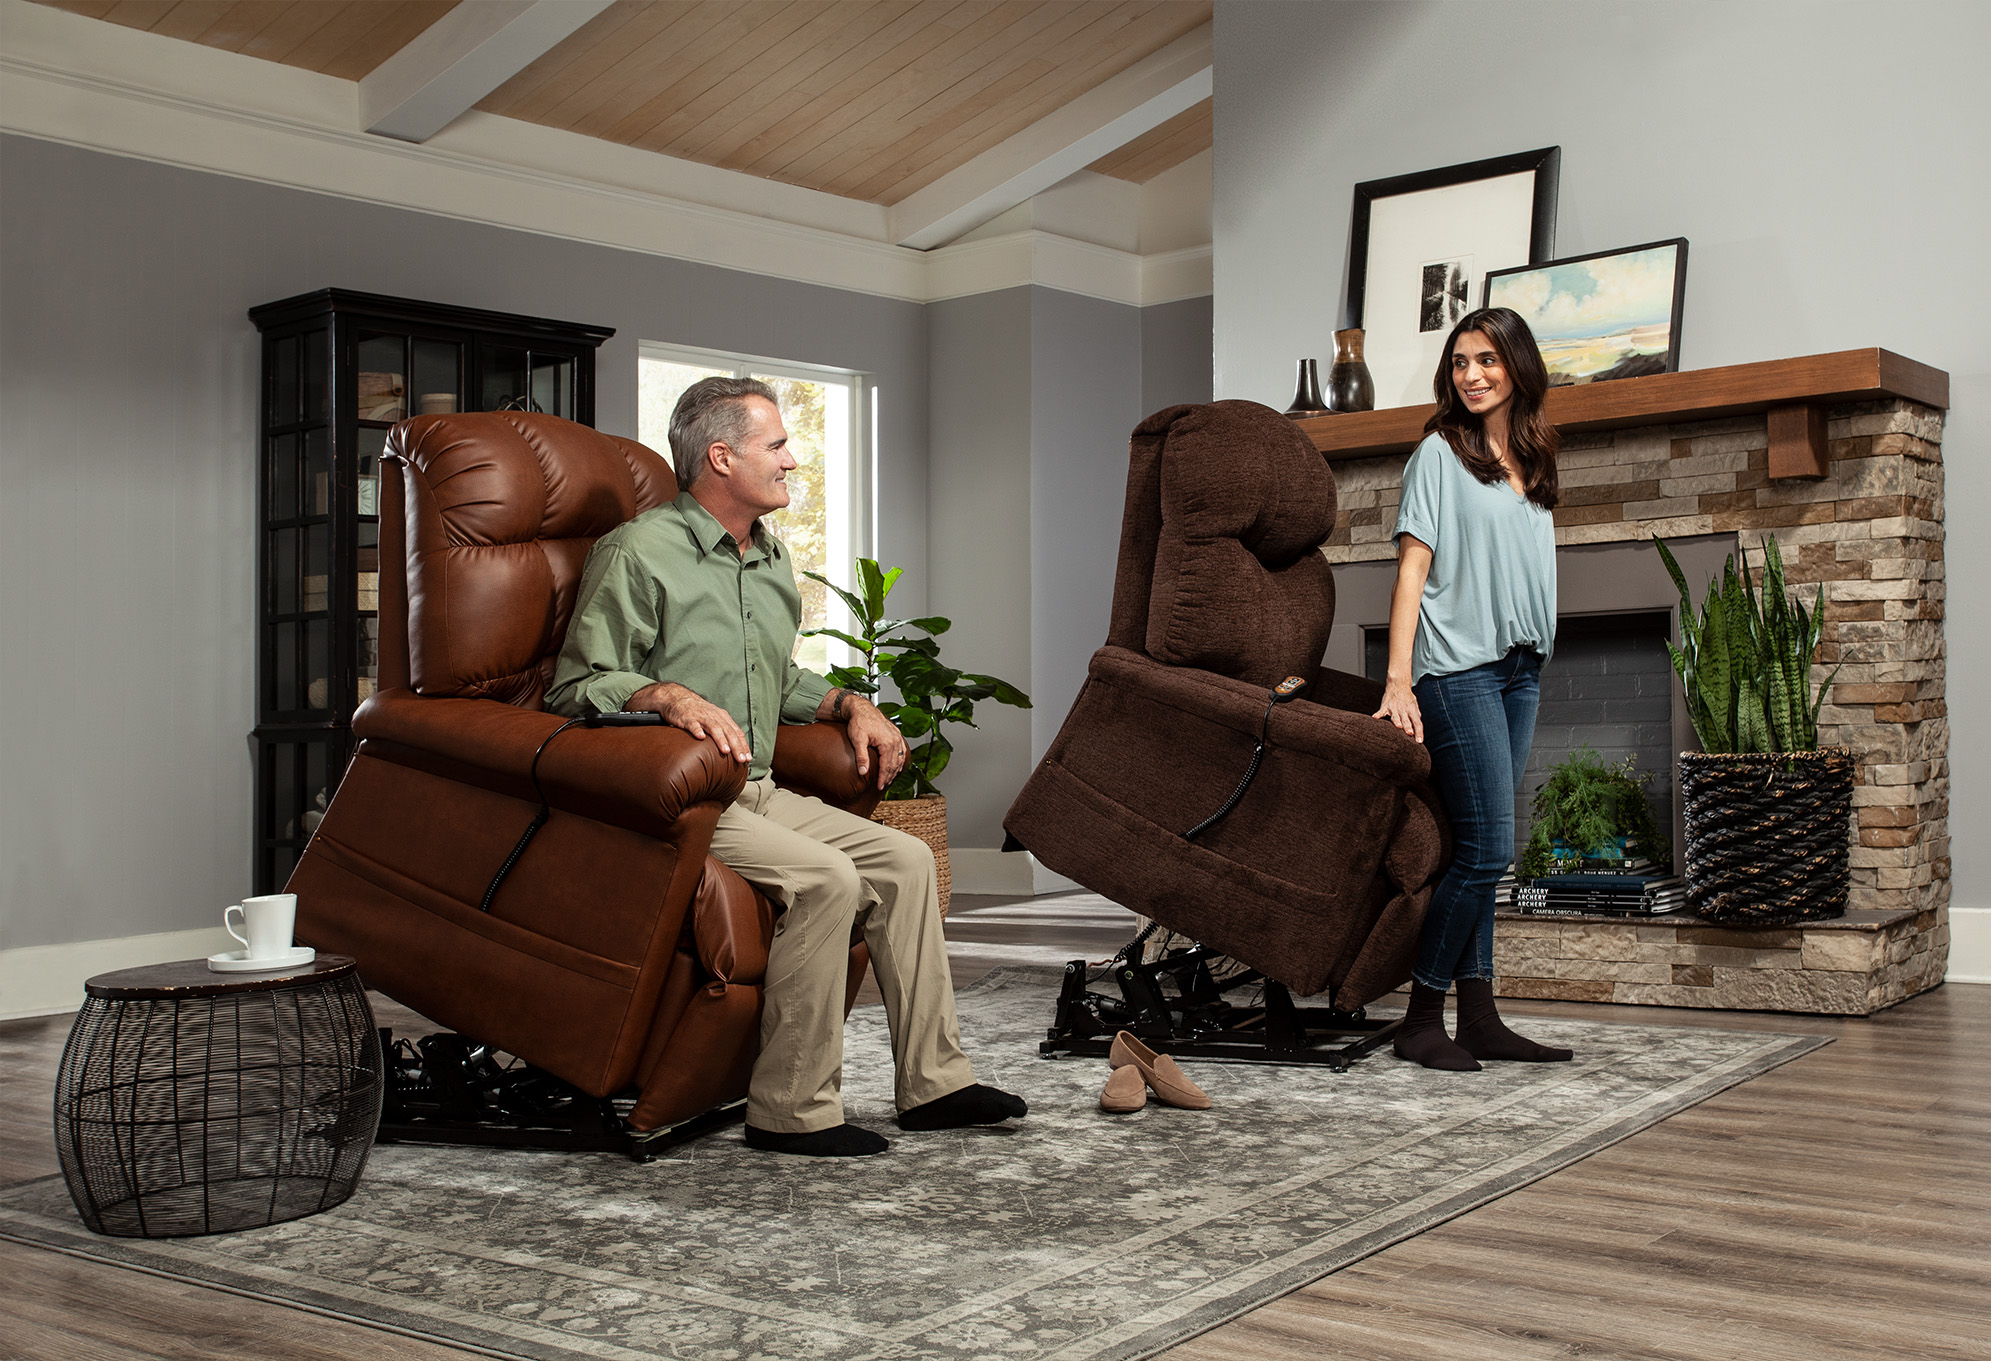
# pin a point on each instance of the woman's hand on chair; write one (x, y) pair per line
(1400, 708)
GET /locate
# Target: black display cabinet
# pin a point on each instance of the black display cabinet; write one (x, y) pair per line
(339, 369)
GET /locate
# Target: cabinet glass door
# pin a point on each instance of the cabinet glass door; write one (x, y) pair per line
(519, 378)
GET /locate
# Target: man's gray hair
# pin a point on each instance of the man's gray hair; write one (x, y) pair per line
(712, 411)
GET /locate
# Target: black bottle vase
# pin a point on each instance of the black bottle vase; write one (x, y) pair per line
(1349, 384)
(1307, 401)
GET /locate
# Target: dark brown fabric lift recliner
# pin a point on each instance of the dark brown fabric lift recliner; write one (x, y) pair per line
(618, 954)
(1319, 877)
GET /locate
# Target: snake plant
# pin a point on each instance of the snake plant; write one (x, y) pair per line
(1745, 662)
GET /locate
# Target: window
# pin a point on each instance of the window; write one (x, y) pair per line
(824, 524)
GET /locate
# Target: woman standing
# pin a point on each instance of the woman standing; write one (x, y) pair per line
(1472, 619)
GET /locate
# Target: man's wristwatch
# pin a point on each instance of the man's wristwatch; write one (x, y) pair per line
(836, 707)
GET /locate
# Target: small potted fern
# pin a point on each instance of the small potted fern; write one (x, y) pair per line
(1592, 816)
(931, 694)
(1768, 813)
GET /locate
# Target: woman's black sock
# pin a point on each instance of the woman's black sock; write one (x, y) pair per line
(1485, 1036)
(1423, 1039)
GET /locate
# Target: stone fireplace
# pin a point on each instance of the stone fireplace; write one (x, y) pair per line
(1839, 456)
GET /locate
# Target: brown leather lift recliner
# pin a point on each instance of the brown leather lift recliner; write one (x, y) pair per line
(617, 953)
(1318, 876)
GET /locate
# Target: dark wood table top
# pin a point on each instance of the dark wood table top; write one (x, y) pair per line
(192, 978)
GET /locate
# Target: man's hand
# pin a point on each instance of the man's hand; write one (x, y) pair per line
(869, 732)
(699, 717)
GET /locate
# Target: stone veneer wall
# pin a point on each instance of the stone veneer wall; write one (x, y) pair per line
(1871, 532)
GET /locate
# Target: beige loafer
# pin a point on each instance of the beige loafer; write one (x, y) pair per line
(1158, 1071)
(1126, 1090)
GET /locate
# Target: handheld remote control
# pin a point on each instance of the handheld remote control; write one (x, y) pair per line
(624, 718)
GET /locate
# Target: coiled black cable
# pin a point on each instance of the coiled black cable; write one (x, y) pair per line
(538, 820)
(1282, 692)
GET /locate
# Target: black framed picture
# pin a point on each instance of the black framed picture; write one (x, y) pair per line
(1608, 314)
(1421, 246)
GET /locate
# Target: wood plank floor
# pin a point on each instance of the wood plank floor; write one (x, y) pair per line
(1839, 1207)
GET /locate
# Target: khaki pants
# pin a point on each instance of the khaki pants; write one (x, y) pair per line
(840, 875)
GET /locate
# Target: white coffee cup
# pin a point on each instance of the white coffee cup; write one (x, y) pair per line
(269, 922)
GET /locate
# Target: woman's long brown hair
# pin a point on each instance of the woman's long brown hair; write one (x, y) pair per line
(1530, 437)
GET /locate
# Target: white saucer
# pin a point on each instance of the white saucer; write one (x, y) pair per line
(232, 961)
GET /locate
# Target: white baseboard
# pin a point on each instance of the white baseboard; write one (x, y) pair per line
(44, 980)
(1970, 945)
(1011, 874)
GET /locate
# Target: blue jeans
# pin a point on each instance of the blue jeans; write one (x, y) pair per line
(1478, 726)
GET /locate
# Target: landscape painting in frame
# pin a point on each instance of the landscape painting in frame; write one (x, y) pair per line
(1614, 314)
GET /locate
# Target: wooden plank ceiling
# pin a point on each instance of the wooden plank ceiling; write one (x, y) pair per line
(331, 37)
(869, 99)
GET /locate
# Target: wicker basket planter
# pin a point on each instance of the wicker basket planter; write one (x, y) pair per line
(1767, 835)
(925, 818)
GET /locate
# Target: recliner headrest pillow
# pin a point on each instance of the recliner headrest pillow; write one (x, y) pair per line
(1246, 501)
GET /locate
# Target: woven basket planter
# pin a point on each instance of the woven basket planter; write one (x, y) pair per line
(925, 818)
(1767, 835)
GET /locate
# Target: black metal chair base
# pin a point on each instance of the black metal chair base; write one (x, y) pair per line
(1174, 1005)
(447, 1089)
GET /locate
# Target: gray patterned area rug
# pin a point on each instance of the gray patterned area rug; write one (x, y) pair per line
(1074, 1235)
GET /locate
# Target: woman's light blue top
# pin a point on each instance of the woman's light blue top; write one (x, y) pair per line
(1492, 581)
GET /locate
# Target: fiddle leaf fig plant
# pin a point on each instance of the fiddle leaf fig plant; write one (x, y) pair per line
(930, 692)
(1746, 661)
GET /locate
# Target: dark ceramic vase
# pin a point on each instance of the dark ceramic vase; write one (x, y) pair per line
(1307, 401)
(1349, 386)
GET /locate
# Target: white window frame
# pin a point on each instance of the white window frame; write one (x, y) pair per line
(859, 496)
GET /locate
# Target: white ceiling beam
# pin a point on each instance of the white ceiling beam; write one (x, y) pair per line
(460, 58)
(1100, 121)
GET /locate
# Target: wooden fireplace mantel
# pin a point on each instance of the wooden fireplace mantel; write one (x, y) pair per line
(1794, 392)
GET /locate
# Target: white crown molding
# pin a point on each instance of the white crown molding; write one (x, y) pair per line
(103, 87)
(1176, 275)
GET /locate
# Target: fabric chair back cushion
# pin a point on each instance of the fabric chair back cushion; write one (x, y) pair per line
(1239, 586)
(501, 509)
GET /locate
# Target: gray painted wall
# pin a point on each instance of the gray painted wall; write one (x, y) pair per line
(1825, 160)
(979, 478)
(1034, 393)
(1085, 400)
(1175, 354)
(127, 478)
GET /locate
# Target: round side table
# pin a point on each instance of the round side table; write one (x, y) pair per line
(193, 1102)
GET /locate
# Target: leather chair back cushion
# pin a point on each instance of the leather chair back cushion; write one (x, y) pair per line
(1239, 585)
(501, 509)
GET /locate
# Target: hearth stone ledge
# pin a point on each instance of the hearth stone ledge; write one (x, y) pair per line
(1871, 533)
(1854, 965)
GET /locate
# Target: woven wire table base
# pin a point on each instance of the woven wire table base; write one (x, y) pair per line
(210, 1114)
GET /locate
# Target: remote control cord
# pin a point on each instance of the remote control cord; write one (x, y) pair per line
(538, 821)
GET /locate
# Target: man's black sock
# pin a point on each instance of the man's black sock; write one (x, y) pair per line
(838, 1141)
(971, 1105)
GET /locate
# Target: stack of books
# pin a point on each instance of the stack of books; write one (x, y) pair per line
(1635, 890)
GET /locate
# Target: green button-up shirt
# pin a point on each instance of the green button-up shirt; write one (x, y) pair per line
(668, 597)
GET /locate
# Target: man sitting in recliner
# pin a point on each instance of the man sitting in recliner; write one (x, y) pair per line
(678, 612)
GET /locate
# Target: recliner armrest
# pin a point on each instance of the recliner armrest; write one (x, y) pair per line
(816, 759)
(1339, 690)
(640, 778)
(1371, 746)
